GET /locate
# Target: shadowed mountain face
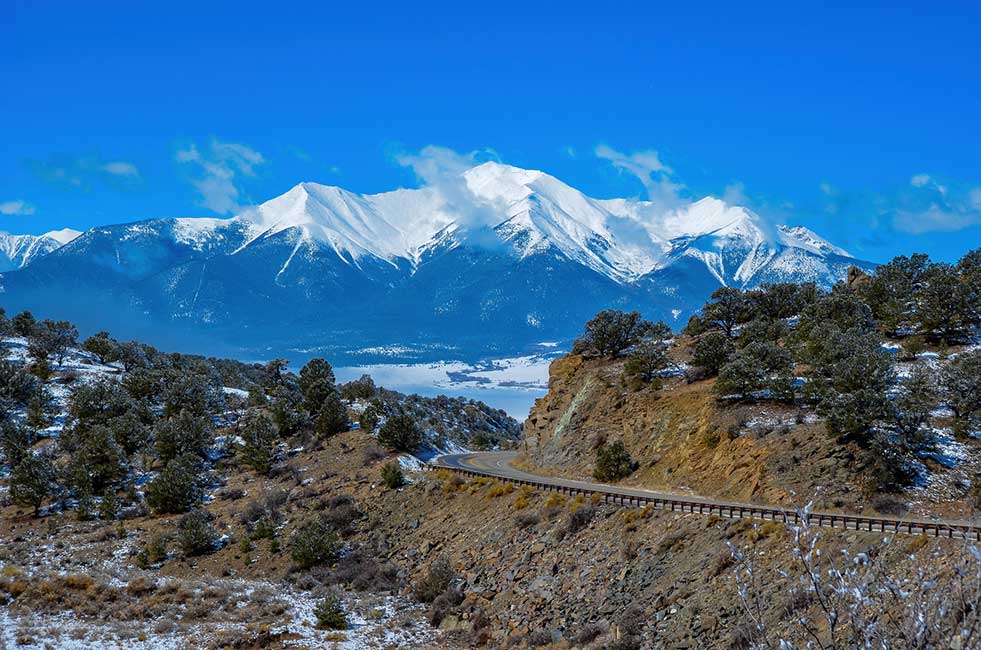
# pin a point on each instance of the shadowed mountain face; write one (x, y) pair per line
(509, 258)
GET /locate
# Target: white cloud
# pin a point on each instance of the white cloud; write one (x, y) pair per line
(646, 165)
(933, 207)
(735, 194)
(935, 218)
(441, 169)
(18, 207)
(975, 198)
(82, 171)
(121, 168)
(217, 172)
(920, 180)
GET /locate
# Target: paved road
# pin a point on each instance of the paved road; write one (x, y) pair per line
(497, 464)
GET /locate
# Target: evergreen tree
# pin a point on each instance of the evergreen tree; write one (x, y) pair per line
(911, 408)
(401, 433)
(369, 418)
(32, 481)
(177, 488)
(23, 323)
(760, 366)
(316, 384)
(186, 433)
(286, 408)
(51, 340)
(613, 462)
(392, 475)
(849, 380)
(258, 446)
(727, 308)
(650, 355)
(943, 305)
(332, 418)
(960, 382)
(611, 332)
(102, 346)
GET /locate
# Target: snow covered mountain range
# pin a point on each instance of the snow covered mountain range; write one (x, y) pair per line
(492, 261)
(17, 251)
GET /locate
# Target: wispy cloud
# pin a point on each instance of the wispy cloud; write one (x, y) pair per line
(646, 165)
(932, 206)
(82, 171)
(121, 168)
(218, 171)
(441, 169)
(18, 207)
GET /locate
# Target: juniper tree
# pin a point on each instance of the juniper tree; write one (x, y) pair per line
(316, 384)
(611, 332)
(23, 323)
(760, 366)
(186, 433)
(258, 442)
(849, 380)
(650, 355)
(178, 486)
(726, 309)
(401, 433)
(944, 308)
(369, 418)
(911, 408)
(613, 462)
(960, 382)
(332, 418)
(51, 339)
(712, 351)
(32, 481)
(102, 346)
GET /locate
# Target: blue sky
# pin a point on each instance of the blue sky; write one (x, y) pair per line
(862, 123)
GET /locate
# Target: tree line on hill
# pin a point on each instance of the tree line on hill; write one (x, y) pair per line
(799, 344)
(145, 414)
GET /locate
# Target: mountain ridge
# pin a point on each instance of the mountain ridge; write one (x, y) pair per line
(484, 263)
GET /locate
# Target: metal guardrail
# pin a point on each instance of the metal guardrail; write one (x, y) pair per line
(746, 511)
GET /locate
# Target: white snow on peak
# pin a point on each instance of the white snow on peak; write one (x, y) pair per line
(532, 212)
(526, 211)
(62, 236)
(17, 251)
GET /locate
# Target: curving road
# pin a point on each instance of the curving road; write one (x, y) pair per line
(497, 464)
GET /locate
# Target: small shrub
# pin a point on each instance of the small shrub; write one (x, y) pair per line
(500, 489)
(527, 520)
(613, 462)
(579, 519)
(314, 544)
(392, 475)
(195, 534)
(330, 613)
(524, 498)
(153, 552)
(438, 579)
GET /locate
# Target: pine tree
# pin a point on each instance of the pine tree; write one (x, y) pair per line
(401, 433)
(316, 384)
(258, 446)
(32, 481)
(332, 418)
(613, 462)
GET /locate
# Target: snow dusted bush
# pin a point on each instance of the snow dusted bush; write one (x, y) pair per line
(852, 601)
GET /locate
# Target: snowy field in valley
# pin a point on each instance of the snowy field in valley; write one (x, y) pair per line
(511, 384)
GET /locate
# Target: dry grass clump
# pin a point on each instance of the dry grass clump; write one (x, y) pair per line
(524, 497)
(500, 489)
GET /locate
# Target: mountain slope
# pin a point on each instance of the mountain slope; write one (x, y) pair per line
(17, 251)
(493, 260)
